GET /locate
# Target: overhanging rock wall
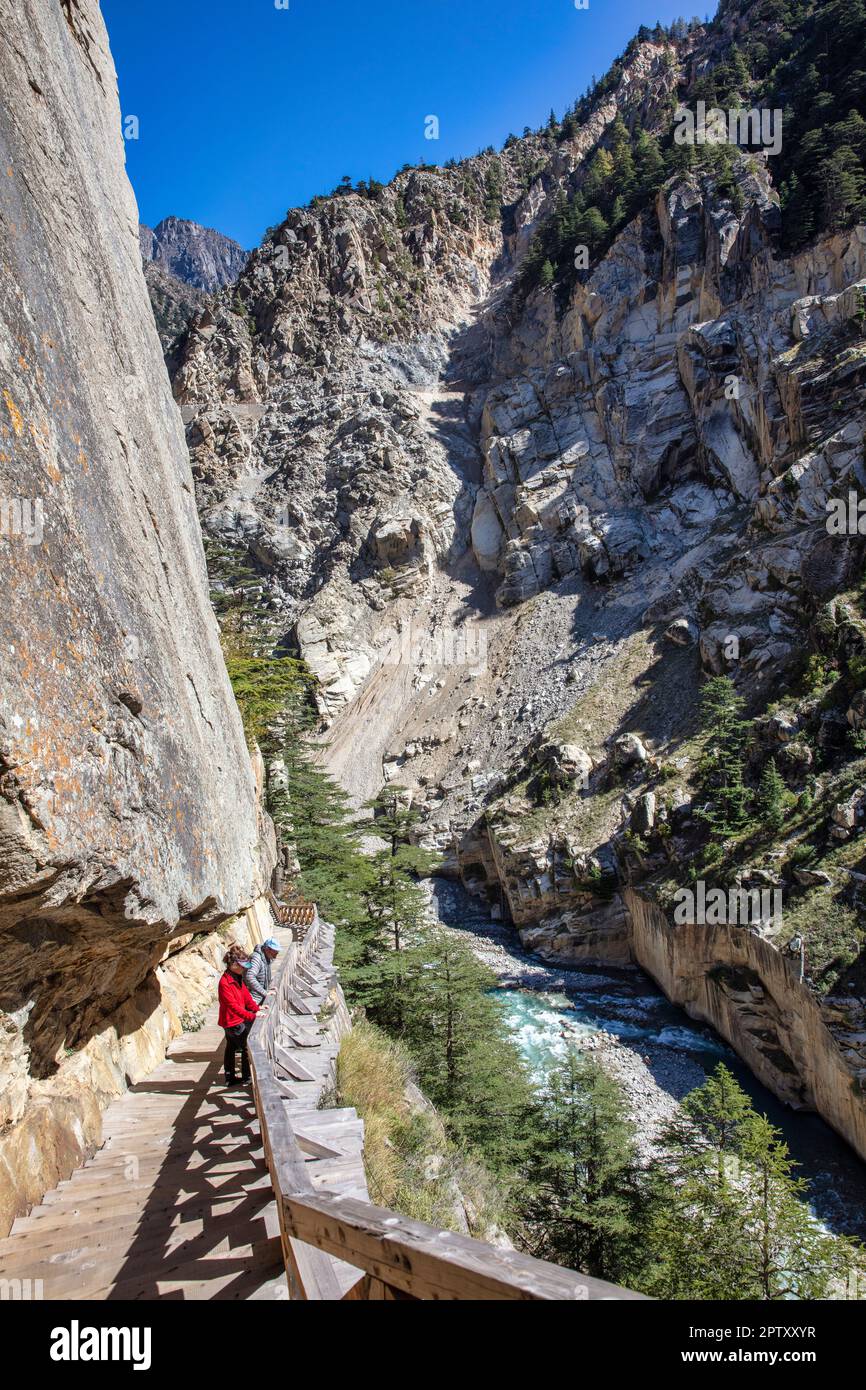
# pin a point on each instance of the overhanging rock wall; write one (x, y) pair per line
(129, 810)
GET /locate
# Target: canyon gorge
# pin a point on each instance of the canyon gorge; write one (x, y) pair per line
(512, 487)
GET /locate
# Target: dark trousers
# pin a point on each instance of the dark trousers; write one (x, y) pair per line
(236, 1045)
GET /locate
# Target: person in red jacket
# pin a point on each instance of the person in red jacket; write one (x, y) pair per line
(238, 1010)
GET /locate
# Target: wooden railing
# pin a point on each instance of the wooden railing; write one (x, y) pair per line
(296, 913)
(393, 1257)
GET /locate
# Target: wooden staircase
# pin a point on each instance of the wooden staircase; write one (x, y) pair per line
(178, 1201)
(197, 1193)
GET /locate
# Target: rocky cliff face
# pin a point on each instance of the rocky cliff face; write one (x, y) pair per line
(129, 814)
(510, 523)
(807, 1054)
(174, 305)
(183, 263)
(199, 256)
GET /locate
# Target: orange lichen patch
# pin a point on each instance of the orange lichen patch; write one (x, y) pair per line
(14, 413)
(81, 459)
(9, 171)
(24, 364)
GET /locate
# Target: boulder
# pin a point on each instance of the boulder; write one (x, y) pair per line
(567, 763)
(794, 760)
(628, 751)
(643, 817)
(782, 726)
(856, 715)
(488, 536)
(395, 539)
(682, 632)
(847, 814)
(812, 878)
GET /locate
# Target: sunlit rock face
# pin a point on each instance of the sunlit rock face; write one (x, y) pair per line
(183, 264)
(196, 255)
(129, 809)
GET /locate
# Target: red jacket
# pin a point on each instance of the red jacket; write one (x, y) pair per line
(236, 1003)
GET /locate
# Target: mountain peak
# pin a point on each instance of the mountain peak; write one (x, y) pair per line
(199, 256)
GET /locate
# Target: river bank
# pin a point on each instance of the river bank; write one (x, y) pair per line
(650, 1046)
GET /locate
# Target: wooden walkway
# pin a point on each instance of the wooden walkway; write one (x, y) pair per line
(178, 1202)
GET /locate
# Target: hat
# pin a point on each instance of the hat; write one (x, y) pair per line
(271, 944)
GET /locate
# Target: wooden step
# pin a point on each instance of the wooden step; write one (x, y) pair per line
(112, 1273)
(177, 1202)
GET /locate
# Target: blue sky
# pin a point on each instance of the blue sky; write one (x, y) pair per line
(245, 109)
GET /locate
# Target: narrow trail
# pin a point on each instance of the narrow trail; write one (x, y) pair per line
(176, 1204)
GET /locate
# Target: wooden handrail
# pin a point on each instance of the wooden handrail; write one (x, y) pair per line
(396, 1257)
(425, 1262)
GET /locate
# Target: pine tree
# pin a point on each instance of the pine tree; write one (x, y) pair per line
(588, 1205)
(734, 1222)
(313, 813)
(394, 897)
(624, 170)
(592, 229)
(842, 183)
(787, 1254)
(772, 796)
(852, 133)
(270, 693)
(467, 1063)
(599, 176)
(740, 75)
(681, 159)
(649, 165)
(720, 769)
(493, 193)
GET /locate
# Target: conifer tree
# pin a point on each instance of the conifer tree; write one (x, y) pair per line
(786, 1254)
(735, 1223)
(649, 165)
(771, 796)
(624, 171)
(598, 179)
(720, 769)
(396, 903)
(618, 212)
(588, 1206)
(468, 1065)
(842, 182)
